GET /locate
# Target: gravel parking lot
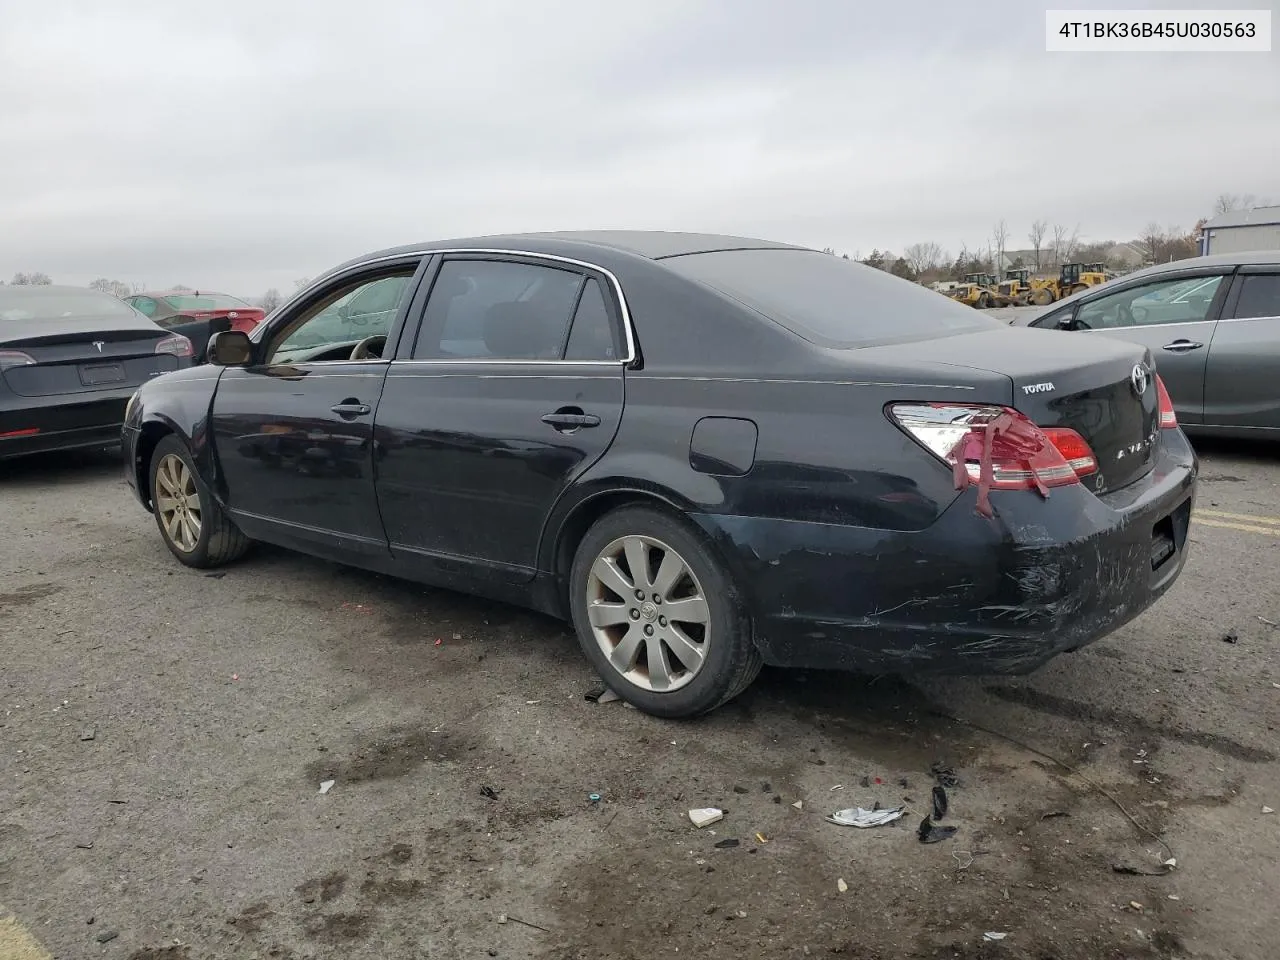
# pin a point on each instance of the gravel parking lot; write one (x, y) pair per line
(165, 734)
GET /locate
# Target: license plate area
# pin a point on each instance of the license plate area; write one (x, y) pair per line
(1168, 535)
(97, 374)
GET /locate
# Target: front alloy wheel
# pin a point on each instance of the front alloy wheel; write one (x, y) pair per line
(192, 524)
(178, 503)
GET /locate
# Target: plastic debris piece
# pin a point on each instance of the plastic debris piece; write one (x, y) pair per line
(594, 797)
(727, 843)
(1135, 905)
(799, 804)
(928, 832)
(502, 918)
(1268, 810)
(1269, 623)
(1053, 814)
(761, 838)
(992, 936)
(1171, 862)
(838, 786)
(1231, 636)
(858, 817)
(488, 793)
(842, 886)
(439, 641)
(943, 774)
(939, 802)
(705, 816)
(600, 694)
(1174, 896)
(326, 786)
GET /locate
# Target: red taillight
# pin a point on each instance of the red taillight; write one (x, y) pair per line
(177, 345)
(1074, 449)
(1168, 419)
(15, 358)
(1022, 456)
(13, 434)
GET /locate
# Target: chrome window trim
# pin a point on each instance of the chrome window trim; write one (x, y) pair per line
(627, 330)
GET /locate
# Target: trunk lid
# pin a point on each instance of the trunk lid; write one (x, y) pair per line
(1063, 380)
(82, 357)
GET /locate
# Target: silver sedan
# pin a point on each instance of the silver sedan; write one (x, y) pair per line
(1213, 324)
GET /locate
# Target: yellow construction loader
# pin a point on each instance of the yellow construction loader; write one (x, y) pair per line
(977, 290)
(1015, 289)
(1072, 278)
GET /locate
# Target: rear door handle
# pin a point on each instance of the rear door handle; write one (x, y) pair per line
(1182, 346)
(351, 408)
(571, 418)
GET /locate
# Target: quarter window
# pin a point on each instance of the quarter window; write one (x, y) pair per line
(498, 310)
(1184, 300)
(1259, 296)
(591, 336)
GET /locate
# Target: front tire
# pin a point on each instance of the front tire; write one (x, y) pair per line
(192, 524)
(659, 616)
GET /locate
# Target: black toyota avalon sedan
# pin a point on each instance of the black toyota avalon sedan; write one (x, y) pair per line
(706, 452)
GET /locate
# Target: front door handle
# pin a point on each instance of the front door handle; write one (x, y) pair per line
(348, 409)
(571, 418)
(1182, 346)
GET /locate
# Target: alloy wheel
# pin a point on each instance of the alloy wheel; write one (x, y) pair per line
(178, 502)
(648, 613)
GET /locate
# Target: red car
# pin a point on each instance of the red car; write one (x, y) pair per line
(197, 314)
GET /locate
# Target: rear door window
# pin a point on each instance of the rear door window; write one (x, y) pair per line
(1259, 296)
(498, 310)
(828, 300)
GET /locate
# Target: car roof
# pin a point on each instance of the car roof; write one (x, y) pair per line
(181, 293)
(649, 244)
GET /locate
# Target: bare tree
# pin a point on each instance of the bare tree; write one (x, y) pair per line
(1036, 236)
(1228, 202)
(271, 299)
(1064, 244)
(923, 256)
(1000, 242)
(1153, 241)
(36, 279)
(116, 288)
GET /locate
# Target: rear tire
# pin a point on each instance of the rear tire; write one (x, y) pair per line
(192, 524)
(699, 658)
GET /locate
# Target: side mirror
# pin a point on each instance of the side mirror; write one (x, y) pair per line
(230, 348)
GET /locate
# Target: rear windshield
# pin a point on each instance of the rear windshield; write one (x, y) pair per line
(828, 300)
(205, 301)
(30, 303)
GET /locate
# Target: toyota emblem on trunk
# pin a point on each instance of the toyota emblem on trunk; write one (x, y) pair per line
(1139, 378)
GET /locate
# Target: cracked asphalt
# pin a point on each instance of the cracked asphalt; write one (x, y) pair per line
(164, 734)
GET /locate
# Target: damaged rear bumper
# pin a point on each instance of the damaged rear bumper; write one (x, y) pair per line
(966, 595)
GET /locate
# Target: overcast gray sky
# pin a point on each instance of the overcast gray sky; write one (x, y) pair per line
(243, 144)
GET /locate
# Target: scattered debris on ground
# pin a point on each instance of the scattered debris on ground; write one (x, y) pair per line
(929, 832)
(705, 816)
(326, 786)
(858, 817)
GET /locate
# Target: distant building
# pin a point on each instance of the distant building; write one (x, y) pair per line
(1240, 230)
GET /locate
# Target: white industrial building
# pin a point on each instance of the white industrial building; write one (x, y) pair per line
(1239, 230)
